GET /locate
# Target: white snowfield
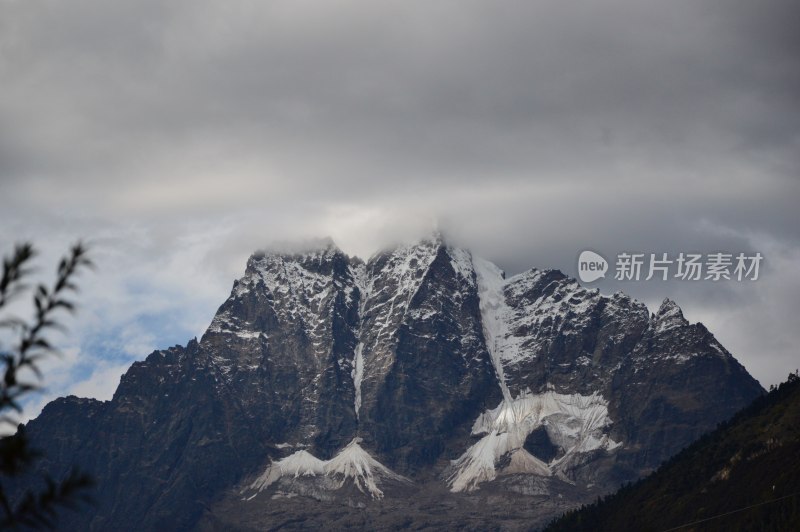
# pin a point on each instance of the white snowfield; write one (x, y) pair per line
(299, 464)
(351, 463)
(575, 423)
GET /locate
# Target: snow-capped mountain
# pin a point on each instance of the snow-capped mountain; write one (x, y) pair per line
(408, 388)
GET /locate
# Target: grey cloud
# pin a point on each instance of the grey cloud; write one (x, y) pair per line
(459, 88)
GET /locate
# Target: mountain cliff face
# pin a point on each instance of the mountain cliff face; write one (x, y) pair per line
(420, 388)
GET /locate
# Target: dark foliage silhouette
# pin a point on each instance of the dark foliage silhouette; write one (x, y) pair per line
(22, 376)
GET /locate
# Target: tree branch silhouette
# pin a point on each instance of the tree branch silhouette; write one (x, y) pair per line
(33, 509)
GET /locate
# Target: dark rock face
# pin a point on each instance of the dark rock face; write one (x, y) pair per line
(406, 354)
(170, 436)
(427, 373)
(539, 445)
(284, 343)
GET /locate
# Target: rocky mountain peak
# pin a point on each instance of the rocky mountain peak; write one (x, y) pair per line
(669, 316)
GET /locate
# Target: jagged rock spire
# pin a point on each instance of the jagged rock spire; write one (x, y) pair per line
(669, 316)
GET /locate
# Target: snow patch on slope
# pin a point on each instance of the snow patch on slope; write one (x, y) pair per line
(494, 314)
(352, 463)
(359, 274)
(356, 464)
(301, 463)
(462, 263)
(575, 423)
(358, 375)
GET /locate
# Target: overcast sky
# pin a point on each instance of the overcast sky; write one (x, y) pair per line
(178, 137)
